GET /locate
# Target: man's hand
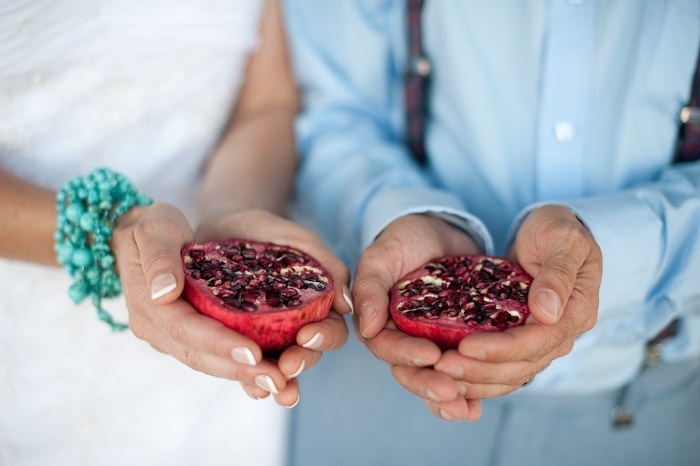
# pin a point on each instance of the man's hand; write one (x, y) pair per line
(560, 253)
(403, 246)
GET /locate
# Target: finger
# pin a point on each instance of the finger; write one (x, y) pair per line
(201, 333)
(295, 359)
(456, 410)
(326, 335)
(159, 242)
(530, 342)
(526, 343)
(265, 374)
(380, 266)
(395, 347)
(255, 392)
(552, 246)
(513, 374)
(289, 397)
(426, 383)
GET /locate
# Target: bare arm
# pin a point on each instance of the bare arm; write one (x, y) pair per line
(254, 165)
(27, 220)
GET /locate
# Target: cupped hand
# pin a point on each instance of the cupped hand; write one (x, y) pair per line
(147, 243)
(405, 245)
(555, 248)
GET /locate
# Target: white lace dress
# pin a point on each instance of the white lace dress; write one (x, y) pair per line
(142, 87)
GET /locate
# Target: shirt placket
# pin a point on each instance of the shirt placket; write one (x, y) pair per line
(568, 55)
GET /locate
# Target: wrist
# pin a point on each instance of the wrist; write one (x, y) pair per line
(87, 210)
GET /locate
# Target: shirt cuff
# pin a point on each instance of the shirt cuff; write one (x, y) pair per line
(391, 204)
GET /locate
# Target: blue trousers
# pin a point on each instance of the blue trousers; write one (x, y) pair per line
(352, 412)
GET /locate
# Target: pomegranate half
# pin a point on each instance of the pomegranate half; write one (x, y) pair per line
(455, 296)
(264, 291)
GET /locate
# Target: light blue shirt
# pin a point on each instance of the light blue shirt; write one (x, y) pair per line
(573, 102)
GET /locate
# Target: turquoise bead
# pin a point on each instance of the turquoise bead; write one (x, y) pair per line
(93, 196)
(65, 253)
(107, 261)
(93, 275)
(87, 221)
(78, 291)
(82, 258)
(73, 211)
(87, 208)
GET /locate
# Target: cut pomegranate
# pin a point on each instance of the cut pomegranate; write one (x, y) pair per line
(262, 290)
(455, 296)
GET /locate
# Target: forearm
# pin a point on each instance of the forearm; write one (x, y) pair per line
(253, 167)
(28, 214)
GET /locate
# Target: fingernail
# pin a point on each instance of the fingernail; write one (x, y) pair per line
(315, 342)
(462, 388)
(250, 394)
(419, 362)
(348, 299)
(548, 301)
(162, 285)
(446, 416)
(454, 371)
(243, 355)
(294, 404)
(298, 371)
(474, 352)
(369, 312)
(265, 382)
(432, 395)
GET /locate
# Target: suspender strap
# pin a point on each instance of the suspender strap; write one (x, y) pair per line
(416, 83)
(688, 148)
(416, 89)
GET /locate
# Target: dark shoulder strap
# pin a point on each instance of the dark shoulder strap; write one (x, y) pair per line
(415, 83)
(417, 78)
(688, 147)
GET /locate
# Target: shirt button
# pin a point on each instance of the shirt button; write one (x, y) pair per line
(564, 131)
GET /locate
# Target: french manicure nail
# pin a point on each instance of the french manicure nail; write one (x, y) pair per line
(431, 394)
(266, 383)
(348, 299)
(162, 285)
(446, 416)
(315, 342)
(294, 404)
(250, 394)
(298, 371)
(243, 355)
(548, 301)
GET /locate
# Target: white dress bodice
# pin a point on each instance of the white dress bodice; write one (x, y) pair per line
(144, 88)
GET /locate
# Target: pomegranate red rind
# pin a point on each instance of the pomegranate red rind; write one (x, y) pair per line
(455, 296)
(264, 291)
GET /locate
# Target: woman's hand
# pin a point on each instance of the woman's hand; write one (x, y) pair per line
(147, 244)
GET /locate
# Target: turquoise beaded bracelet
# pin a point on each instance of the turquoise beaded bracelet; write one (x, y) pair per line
(87, 209)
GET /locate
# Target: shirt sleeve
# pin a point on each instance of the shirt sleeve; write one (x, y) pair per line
(649, 236)
(356, 176)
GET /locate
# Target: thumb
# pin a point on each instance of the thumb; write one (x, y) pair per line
(552, 286)
(159, 246)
